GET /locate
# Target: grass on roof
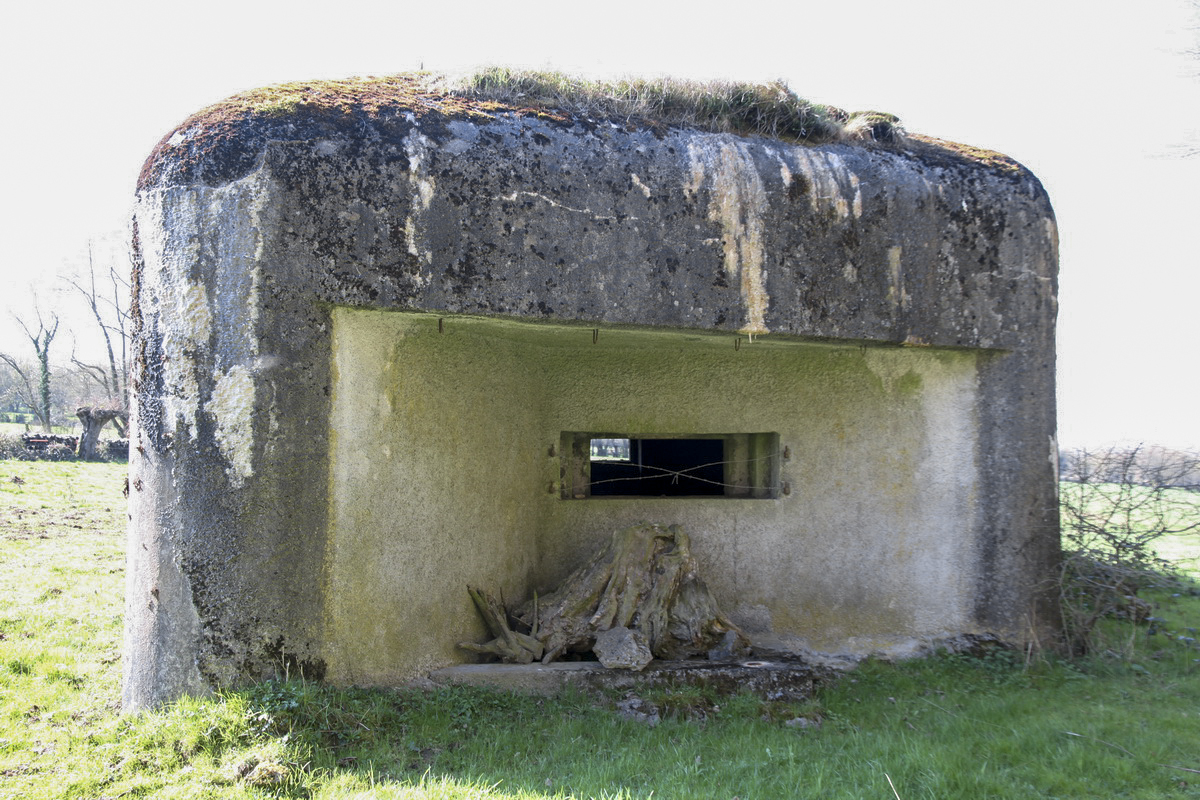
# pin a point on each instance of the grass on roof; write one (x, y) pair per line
(770, 109)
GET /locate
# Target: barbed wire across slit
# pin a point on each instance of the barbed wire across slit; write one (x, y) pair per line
(660, 472)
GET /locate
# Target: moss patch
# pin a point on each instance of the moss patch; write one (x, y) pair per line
(226, 136)
(223, 141)
(948, 153)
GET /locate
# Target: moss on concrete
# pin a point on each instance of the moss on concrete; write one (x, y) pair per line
(226, 137)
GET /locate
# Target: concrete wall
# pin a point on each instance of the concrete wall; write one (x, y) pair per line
(443, 475)
(291, 479)
(437, 471)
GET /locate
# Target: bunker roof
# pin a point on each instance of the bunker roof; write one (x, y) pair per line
(222, 142)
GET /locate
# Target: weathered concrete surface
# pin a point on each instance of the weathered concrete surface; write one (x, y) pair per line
(306, 460)
(767, 679)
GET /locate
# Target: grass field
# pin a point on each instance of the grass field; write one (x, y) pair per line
(992, 726)
(1121, 506)
(16, 427)
(1184, 551)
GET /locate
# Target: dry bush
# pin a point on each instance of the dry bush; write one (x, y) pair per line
(1116, 505)
(765, 109)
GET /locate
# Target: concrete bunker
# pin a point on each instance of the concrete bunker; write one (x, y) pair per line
(378, 342)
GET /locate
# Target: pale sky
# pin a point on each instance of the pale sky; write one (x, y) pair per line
(1099, 100)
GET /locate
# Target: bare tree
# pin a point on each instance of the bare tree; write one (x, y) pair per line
(94, 419)
(107, 298)
(1117, 505)
(37, 387)
(19, 388)
(10, 388)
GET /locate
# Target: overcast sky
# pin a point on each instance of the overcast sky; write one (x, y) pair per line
(1099, 102)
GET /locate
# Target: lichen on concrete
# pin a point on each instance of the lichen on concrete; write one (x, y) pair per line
(233, 407)
(183, 306)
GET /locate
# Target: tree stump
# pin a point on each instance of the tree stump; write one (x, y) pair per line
(94, 418)
(645, 579)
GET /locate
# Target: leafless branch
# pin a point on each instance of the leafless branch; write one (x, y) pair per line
(26, 393)
(1116, 504)
(111, 315)
(41, 341)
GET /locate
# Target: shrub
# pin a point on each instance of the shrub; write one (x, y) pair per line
(1116, 505)
(58, 451)
(12, 445)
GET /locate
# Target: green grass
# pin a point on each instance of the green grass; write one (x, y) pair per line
(991, 726)
(1182, 550)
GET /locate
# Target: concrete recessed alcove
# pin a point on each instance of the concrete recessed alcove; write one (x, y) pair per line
(447, 468)
(379, 324)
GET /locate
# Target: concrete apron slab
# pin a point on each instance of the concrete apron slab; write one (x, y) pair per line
(771, 680)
